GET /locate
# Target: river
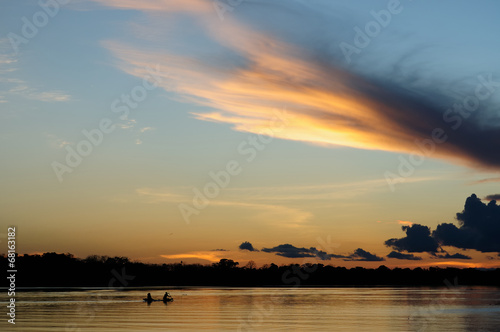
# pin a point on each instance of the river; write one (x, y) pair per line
(259, 309)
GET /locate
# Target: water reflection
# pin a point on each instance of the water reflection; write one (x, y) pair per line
(261, 309)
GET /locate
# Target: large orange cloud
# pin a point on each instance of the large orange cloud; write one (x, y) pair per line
(254, 73)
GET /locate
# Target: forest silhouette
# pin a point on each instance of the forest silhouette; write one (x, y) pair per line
(64, 270)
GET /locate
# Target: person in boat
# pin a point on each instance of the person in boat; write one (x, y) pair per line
(149, 298)
(167, 297)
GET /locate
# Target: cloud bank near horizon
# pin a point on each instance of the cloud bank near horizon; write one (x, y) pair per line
(479, 229)
(291, 251)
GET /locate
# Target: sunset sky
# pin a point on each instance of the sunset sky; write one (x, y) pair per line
(289, 131)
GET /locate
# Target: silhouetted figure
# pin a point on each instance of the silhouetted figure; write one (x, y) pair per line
(148, 299)
(167, 298)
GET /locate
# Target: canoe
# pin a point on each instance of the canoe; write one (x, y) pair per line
(155, 300)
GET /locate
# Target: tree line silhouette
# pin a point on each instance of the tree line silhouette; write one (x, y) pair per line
(64, 270)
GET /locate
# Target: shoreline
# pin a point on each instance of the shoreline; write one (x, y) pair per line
(83, 288)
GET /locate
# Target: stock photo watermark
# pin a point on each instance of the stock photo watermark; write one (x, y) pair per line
(220, 179)
(95, 136)
(454, 118)
(91, 310)
(223, 6)
(31, 27)
(11, 274)
(372, 29)
(293, 276)
(422, 318)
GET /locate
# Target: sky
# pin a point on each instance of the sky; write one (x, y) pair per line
(287, 131)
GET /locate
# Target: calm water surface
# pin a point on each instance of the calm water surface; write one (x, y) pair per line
(259, 309)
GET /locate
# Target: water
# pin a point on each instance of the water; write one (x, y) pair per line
(259, 309)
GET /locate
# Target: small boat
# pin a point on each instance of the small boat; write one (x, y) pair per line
(158, 300)
(166, 298)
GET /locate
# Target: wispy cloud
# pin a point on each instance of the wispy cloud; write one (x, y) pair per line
(321, 192)
(127, 124)
(212, 256)
(276, 203)
(47, 96)
(56, 142)
(145, 129)
(161, 195)
(13, 85)
(257, 72)
(399, 222)
(130, 125)
(277, 214)
(487, 180)
(405, 223)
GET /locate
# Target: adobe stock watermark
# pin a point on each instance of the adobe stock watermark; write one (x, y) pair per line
(95, 136)
(294, 276)
(31, 27)
(90, 311)
(248, 148)
(423, 318)
(454, 118)
(372, 29)
(223, 6)
(11, 272)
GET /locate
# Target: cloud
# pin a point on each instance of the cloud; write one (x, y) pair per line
(494, 197)
(247, 246)
(277, 215)
(418, 239)
(25, 91)
(363, 256)
(219, 250)
(169, 6)
(290, 251)
(403, 222)
(212, 256)
(55, 141)
(47, 96)
(454, 256)
(479, 227)
(12, 85)
(487, 180)
(258, 70)
(144, 129)
(398, 255)
(127, 124)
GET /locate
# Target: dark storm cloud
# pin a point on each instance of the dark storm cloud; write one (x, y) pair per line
(290, 251)
(247, 246)
(399, 255)
(363, 255)
(454, 256)
(418, 239)
(479, 227)
(494, 197)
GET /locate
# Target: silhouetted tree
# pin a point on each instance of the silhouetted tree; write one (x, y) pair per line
(64, 270)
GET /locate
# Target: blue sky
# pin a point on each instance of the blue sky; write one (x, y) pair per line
(348, 123)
